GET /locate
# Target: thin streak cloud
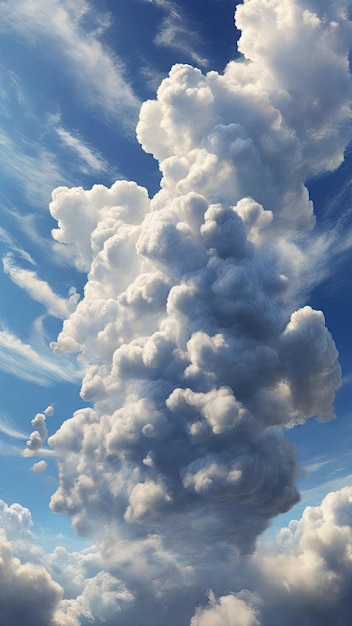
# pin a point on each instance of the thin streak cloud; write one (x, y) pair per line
(33, 167)
(14, 248)
(9, 429)
(93, 66)
(39, 290)
(22, 361)
(91, 160)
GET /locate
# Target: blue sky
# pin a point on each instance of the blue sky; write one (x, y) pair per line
(175, 351)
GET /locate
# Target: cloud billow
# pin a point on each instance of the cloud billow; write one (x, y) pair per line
(196, 344)
(305, 580)
(28, 592)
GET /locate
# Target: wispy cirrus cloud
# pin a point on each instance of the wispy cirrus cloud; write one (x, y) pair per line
(34, 168)
(21, 360)
(178, 33)
(63, 25)
(91, 161)
(39, 290)
(7, 427)
(9, 242)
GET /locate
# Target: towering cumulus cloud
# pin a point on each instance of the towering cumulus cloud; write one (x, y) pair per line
(197, 347)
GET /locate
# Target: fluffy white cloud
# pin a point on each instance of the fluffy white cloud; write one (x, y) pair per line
(35, 169)
(306, 577)
(87, 220)
(39, 466)
(37, 439)
(309, 576)
(38, 436)
(58, 589)
(91, 595)
(15, 520)
(103, 598)
(196, 346)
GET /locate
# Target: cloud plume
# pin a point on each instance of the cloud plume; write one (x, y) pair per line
(197, 344)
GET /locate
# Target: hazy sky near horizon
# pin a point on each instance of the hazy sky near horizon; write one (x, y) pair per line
(175, 344)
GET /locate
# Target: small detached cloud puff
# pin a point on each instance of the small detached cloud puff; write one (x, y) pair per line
(38, 437)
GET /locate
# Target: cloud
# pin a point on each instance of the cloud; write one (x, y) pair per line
(305, 578)
(63, 27)
(15, 520)
(35, 168)
(9, 429)
(96, 214)
(91, 160)
(28, 593)
(308, 578)
(90, 594)
(39, 466)
(40, 290)
(29, 226)
(81, 592)
(227, 611)
(103, 598)
(23, 361)
(197, 345)
(176, 32)
(59, 589)
(216, 346)
(38, 437)
(8, 240)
